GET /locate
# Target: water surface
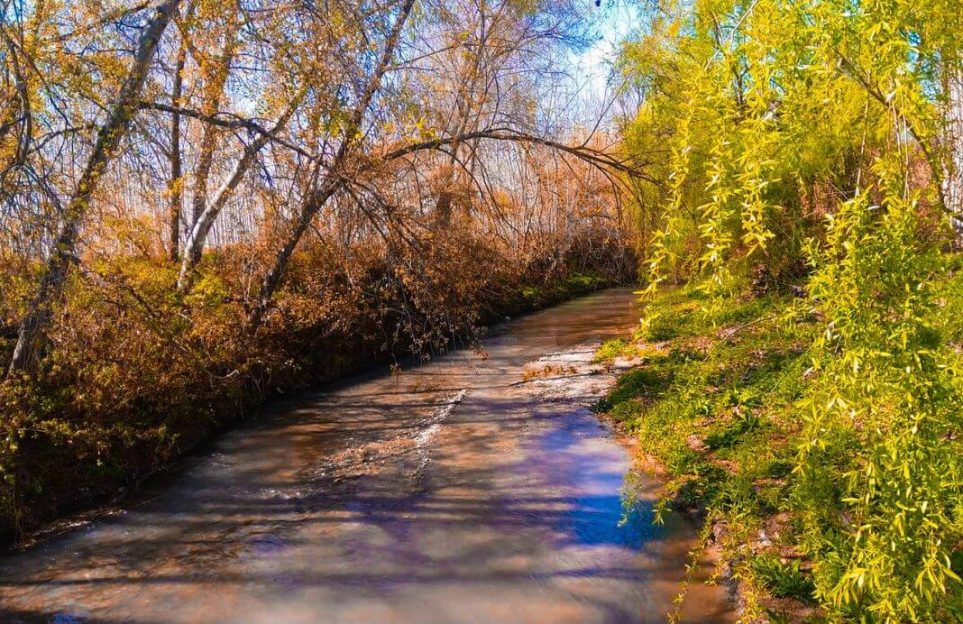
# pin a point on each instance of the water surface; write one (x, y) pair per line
(463, 490)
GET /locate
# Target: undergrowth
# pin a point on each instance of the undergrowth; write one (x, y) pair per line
(715, 401)
(139, 375)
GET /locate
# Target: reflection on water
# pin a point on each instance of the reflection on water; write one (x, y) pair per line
(453, 492)
(595, 515)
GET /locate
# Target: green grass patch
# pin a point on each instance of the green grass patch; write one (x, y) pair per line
(783, 579)
(611, 349)
(638, 384)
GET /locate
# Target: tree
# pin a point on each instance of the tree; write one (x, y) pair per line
(205, 220)
(176, 186)
(331, 182)
(817, 140)
(32, 331)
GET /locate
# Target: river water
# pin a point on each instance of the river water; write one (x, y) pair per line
(475, 488)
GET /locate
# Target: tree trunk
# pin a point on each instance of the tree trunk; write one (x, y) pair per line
(953, 168)
(273, 277)
(467, 104)
(202, 226)
(32, 333)
(216, 79)
(176, 186)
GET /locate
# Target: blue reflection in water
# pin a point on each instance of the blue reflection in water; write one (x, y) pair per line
(578, 457)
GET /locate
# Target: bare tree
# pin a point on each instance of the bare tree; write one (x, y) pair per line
(333, 181)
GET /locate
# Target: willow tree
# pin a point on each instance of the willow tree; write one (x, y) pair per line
(827, 133)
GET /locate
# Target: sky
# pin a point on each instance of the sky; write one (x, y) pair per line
(617, 19)
(592, 68)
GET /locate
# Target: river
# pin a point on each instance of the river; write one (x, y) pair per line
(477, 487)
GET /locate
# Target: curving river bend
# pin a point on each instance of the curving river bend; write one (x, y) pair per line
(475, 488)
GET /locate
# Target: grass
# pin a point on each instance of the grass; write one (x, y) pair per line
(611, 349)
(635, 385)
(713, 403)
(537, 296)
(783, 579)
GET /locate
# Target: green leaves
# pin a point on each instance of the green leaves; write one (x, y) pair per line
(809, 132)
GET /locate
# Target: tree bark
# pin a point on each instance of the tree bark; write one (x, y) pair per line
(176, 186)
(32, 333)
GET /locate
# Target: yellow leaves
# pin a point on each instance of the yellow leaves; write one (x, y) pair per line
(424, 128)
(207, 292)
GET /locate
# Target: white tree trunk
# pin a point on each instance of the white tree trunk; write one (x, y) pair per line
(953, 158)
(197, 238)
(32, 333)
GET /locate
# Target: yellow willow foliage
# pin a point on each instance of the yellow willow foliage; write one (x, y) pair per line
(814, 132)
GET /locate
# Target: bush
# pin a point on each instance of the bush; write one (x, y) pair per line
(783, 579)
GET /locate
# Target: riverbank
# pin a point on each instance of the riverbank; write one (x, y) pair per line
(710, 400)
(139, 382)
(730, 400)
